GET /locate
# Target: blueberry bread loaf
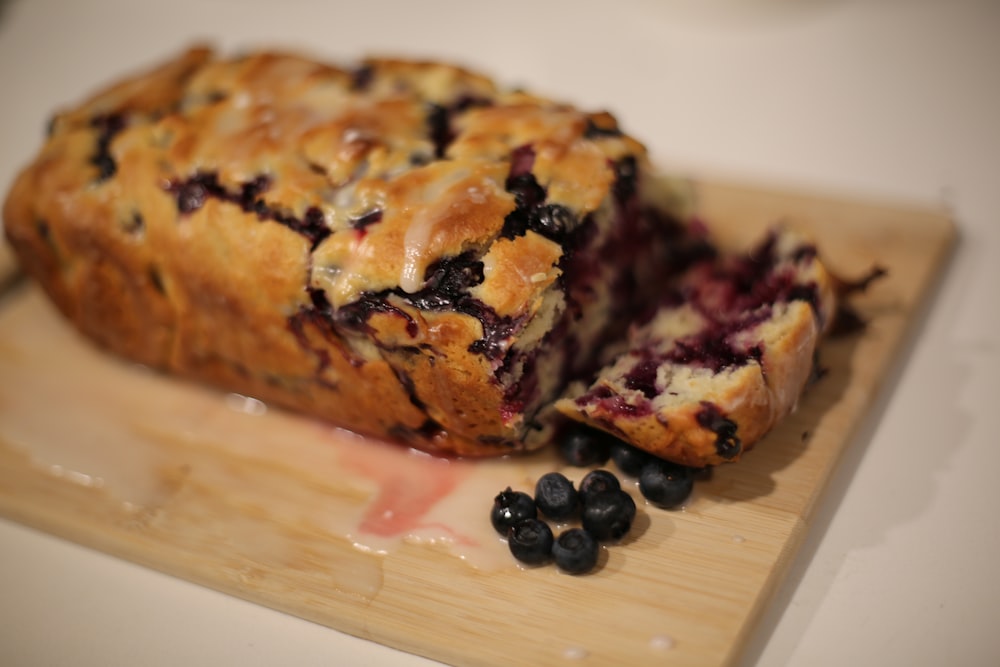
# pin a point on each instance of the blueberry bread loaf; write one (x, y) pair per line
(401, 248)
(722, 358)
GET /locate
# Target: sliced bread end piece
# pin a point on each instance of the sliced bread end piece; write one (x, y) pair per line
(722, 360)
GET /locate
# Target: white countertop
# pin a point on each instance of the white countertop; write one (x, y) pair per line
(892, 100)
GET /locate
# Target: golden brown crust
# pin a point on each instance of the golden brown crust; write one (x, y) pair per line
(401, 248)
(338, 241)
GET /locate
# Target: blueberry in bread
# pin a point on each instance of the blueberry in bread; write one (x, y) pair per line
(401, 248)
(723, 357)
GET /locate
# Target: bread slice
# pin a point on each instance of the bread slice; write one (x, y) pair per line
(401, 248)
(723, 358)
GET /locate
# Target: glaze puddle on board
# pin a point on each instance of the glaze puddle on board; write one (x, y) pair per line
(125, 431)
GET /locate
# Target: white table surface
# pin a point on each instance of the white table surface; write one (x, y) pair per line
(894, 100)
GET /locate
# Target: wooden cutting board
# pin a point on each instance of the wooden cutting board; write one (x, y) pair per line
(396, 547)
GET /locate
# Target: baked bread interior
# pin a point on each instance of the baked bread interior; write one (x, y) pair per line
(721, 359)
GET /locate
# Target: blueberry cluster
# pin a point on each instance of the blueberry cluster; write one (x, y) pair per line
(662, 483)
(604, 509)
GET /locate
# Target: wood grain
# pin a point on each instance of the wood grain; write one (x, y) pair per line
(274, 508)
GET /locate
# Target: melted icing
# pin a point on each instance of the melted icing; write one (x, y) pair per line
(418, 242)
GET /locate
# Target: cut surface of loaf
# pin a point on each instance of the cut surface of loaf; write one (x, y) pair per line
(401, 248)
(721, 360)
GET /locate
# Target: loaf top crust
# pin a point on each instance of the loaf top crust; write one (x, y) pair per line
(350, 159)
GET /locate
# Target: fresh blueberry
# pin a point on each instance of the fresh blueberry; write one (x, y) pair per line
(608, 515)
(582, 446)
(511, 507)
(530, 541)
(598, 481)
(666, 484)
(575, 551)
(630, 460)
(555, 496)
